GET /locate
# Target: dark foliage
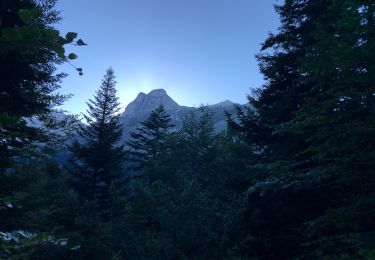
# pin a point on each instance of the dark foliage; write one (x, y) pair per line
(148, 140)
(96, 161)
(313, 129)
(291, 178)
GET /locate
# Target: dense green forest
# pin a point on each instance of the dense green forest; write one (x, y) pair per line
(292, 177)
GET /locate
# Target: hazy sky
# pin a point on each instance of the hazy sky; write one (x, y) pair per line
(199, 51)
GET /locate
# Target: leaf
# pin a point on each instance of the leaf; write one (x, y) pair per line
(28, 15)
(52, 33)
(59, 50)
(79, 71)
(70, 36)
(72, 56)
(81, 42)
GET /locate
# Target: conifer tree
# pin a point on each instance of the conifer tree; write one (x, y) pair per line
(312, 133)
(30, 48)
(148, 140)
(96, 162)
(197, 144)
(38, 212)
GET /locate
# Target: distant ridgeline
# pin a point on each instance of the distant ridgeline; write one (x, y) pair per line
(138, 110)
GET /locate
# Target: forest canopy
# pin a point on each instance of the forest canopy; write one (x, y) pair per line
(291, 176)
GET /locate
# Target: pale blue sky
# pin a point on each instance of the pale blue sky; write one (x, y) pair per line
(199, 51)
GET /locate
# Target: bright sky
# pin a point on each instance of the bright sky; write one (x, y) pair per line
(199, 51)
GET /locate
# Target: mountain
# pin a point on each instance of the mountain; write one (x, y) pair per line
(145, 103)
(138, 110)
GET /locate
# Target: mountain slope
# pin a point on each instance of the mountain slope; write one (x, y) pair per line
(138, 110)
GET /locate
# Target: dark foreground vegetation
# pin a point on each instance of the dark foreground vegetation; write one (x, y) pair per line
(291, 178)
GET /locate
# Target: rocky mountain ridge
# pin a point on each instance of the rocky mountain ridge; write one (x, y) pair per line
(138, 110)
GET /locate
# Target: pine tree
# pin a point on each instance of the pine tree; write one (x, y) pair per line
(97, 161)
(197, 144)
(39, 203)
(338, 117)
(313, 133)
(148, 140)
(30, 48)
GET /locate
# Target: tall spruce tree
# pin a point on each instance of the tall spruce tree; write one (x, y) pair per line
(197, 145)
(97, 160)
(197, 137)
(148, 140)
(313, 133)
(30, 48)
(338, 117)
